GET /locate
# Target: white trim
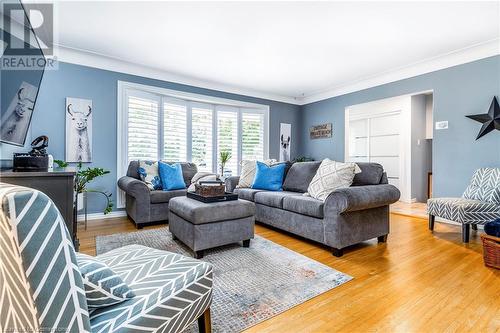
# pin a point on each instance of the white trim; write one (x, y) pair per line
(475, 52)
(99, 216)
(96, 60)
(465, 55)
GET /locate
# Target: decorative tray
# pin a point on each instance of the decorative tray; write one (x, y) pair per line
(220, 198)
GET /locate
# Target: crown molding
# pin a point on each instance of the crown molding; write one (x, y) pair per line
(475, 52)
(96, 60)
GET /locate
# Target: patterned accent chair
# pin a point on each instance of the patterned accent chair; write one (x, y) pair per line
(42, 288)
(479, 204)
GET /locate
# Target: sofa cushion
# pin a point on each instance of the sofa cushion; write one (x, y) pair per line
(248, 169)
(371, 174)
(331, 175)
(269, 177)
(198, 212)
(171, 291)
(165, 196)
(246, 193)
(300, 175)
(188, 170)
(273, 199)
(304, 205)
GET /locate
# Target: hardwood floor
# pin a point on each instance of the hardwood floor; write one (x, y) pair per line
(417, 282)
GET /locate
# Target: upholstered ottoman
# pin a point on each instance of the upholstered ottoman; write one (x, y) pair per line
(204, 226)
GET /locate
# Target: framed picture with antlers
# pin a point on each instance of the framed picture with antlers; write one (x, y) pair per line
(78, 130)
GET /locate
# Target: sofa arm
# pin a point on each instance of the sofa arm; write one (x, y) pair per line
(360, 197)
(134, 187)
(231, 183)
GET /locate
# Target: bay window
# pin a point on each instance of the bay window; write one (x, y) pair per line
(162, 124)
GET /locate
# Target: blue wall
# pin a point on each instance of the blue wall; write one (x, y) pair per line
(101, 87)
(458, 91)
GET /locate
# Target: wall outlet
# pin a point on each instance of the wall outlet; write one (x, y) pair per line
(440, 125)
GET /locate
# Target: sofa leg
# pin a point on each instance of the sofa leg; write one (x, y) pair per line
(431, 222)
(338, 252)
(246, 243)
(204, 322)
(465, 232)
(174, 237)
(382, 239)
(139, 226)
(198, 254)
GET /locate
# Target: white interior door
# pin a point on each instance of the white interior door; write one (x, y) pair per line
(385, 146)
(376, 138)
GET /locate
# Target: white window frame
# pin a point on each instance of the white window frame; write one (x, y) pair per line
(123, 89)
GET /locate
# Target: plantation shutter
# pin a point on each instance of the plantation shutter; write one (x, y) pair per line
(227, 138)
(201, 136)
(142, 126)
(252, 136)
(175, 130)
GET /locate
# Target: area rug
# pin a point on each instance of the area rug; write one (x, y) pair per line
(250, 284)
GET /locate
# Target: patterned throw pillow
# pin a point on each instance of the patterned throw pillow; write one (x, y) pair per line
(148, 171)
(331, 175)
(248, 169)
(102, 286)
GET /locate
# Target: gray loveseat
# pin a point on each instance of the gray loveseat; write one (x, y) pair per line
(348, 216)
(145, 206)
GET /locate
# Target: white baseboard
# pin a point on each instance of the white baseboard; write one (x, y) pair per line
(99, 216)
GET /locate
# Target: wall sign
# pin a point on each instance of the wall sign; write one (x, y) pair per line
(321, 131)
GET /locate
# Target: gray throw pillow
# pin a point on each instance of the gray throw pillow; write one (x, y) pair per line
(102, 286)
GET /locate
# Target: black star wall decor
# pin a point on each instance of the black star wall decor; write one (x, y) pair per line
(490, 120)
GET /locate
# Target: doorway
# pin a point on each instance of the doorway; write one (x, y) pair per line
(394, 132)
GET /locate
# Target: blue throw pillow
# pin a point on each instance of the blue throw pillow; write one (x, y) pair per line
(269, 177)
(171, 176)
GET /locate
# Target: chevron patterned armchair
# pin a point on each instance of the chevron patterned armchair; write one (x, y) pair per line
(42, 289)
(479, 204)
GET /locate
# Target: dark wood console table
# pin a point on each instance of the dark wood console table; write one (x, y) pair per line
(58, 184)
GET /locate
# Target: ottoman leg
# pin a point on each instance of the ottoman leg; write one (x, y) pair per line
(198, 254)
(246, 243)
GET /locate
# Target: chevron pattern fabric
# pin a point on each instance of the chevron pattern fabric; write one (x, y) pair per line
(484, 186)
(41, 288)
(102, 286)
(462, 210)
(479, 204)
(171, 291)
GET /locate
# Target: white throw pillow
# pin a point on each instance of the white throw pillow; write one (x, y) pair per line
(201, 177)
(248, 169)
(331, 175)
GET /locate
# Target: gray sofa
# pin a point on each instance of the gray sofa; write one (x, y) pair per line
(145, 206)
(348, 216)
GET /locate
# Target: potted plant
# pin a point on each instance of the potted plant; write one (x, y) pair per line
(84, 177)
(225, 156)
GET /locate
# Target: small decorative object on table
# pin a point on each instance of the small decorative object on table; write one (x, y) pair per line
(210, 188)
(211, 191)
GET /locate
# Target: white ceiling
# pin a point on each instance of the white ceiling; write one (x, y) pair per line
(290, 49)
